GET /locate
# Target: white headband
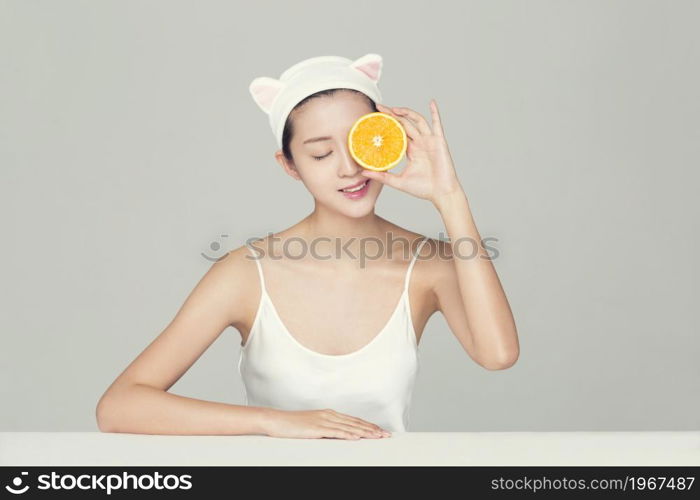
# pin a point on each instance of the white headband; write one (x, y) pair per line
(277, 98)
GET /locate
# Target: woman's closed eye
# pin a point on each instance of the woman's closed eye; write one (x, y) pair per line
(319, 158)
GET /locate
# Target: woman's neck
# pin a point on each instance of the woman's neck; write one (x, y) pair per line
(326, 224)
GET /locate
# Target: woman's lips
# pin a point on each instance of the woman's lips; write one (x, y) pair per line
(359, 193)
(359, 183)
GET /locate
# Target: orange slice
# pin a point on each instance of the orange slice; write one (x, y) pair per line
(377, 141)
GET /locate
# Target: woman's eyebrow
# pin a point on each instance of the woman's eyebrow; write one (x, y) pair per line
(317, 139)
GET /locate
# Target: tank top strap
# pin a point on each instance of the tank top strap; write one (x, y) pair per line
(260, 272)
(413, 261)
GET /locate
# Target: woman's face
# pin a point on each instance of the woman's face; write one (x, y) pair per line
(321, 157)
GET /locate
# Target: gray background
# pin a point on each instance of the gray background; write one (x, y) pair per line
(129, 143)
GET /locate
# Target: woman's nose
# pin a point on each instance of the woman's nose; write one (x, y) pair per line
(348, 165)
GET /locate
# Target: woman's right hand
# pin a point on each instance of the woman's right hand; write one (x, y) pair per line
(326, 423)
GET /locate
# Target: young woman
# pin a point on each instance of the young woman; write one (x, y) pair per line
(329, 341)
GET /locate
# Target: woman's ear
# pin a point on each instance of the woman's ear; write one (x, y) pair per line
(287, 165)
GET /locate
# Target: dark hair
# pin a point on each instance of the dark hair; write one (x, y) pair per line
(288, 124)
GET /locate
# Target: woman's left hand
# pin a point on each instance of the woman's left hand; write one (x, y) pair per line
(429, 173)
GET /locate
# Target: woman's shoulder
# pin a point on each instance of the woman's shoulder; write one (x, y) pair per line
(399, 237)
(433, 261)
(235, 278)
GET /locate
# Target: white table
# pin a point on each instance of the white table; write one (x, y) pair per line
(403, 448)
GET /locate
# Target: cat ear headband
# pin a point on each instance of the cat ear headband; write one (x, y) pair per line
(277, 97)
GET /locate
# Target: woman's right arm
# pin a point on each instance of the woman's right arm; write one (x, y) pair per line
(138, 401)
(142, 409)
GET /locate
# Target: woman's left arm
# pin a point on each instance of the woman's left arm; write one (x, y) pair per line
(489, 332)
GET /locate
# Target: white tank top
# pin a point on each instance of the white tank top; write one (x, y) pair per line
(374, 383)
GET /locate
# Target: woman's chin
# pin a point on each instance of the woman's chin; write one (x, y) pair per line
(352, 206)
(356, 208)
